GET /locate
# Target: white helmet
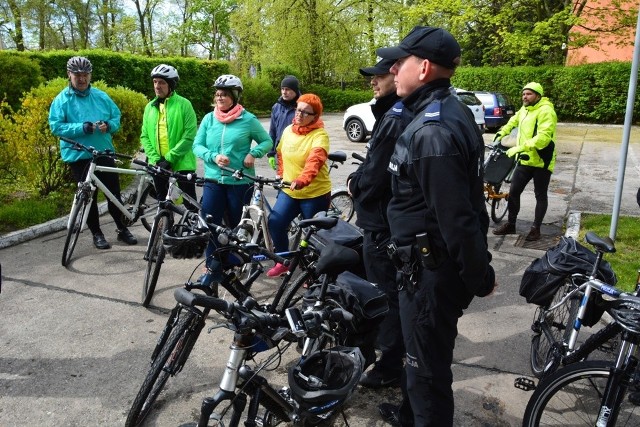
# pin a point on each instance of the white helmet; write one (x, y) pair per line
(166, 72)
(231, 83)
(79, 64)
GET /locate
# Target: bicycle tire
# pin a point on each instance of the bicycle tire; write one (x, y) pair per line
(168, 363)
(498, 206)
(341, 205)
(149, 204)
(545, 351)
(155, 255)
(294, 292)
(571, 396)
(74, 228)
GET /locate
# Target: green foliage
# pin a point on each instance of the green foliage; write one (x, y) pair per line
(593, 93)
(259, 95)
(625, 260)
(19, 74)
(275, 73)
(340, 100)
(17, 213)
(37, 150)
(134, 72)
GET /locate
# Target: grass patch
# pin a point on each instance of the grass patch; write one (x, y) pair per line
(23, 212)
(626, 260)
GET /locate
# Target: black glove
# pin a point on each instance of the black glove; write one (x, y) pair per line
(88, 127)
(163, 163)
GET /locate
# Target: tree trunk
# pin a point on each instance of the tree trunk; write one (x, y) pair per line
(18, 37)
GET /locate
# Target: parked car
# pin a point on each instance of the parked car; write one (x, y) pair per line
(474, 104)
(358, 121)
(498, 109)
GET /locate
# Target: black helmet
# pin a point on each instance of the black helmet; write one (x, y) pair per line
(325, 379)
(181, 241)
(168, 73)
(79, 64)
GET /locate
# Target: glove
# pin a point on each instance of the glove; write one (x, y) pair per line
(163, 163)
(496, 139)
(515, 150)
(273, 163)
(88, 127)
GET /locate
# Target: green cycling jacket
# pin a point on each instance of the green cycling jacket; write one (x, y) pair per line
(181, 127)
(536, 133)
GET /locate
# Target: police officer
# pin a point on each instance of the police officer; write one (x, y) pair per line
(370, 186)
(438, 220)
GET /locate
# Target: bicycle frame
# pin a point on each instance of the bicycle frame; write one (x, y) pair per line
(94, 182)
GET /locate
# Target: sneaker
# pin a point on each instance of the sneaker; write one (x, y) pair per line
(125, 235)
(100, 242)
(504, 229)
(376, 378)
(389, 413)
(278, 270)
(534, 234)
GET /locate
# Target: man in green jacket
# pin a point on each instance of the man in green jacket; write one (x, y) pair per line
(536, 122)
(169, 126)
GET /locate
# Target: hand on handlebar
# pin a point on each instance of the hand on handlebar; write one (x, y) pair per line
(515, 150)
(222, 160)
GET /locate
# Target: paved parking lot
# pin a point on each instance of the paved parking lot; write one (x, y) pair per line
(75, 343)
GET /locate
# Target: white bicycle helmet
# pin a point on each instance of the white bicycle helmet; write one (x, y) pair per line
(231, 83)
(325, 380)
(166, 72)
(79, 64)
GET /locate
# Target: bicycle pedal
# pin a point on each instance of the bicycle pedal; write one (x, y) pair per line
(524, 383)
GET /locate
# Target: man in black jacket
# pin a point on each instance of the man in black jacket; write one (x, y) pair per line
(370, 186)
(438, 220)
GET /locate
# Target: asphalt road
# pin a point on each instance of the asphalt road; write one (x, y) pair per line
(75, 343)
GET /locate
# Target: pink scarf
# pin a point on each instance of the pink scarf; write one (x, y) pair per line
(230, 115)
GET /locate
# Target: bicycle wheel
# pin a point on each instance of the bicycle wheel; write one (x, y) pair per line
(572, 397)
(341, 205)
(155, 255)
(498, 206)
(148, 206)
(552, 331)
(294, 291)
(168, 363)
(74, 227)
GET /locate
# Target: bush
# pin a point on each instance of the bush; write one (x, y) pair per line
(19, 74)
(259, 96)
(38, 151)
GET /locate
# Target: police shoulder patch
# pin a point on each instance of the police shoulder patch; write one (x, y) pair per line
(432, 112)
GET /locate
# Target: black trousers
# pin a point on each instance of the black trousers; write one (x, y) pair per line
(79, 170)
(381, 271)
(521, 177)
(429, 316)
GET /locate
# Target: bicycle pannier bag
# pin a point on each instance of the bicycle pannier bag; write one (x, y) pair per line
(545, 275)
(498, 167)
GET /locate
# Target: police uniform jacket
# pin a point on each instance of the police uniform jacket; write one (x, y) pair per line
(437, 183)
(370, 184)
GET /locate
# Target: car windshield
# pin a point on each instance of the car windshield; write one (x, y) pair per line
(469, 98)
(486, 98)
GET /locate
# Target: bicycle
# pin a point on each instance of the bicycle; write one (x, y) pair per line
(163, 221)
(137, 201)
(341, 201)
(185, 323)
(498, 169)
(556, 327)
(594, 392)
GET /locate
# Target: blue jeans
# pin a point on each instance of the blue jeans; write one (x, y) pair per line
(223, 201)
(286, 209)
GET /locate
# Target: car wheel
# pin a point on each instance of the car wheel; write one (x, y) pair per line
(355, 130)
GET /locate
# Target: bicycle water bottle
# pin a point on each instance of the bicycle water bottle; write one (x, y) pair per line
(245, 232)
(257, 195)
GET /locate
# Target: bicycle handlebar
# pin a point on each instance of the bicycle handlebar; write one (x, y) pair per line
(157, 170)
(358, 157)
(238, 174)
(93, 151)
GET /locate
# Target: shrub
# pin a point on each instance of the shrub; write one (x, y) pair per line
(19, 74)
(258, 95)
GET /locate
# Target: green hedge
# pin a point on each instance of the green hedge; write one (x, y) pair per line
(592, 93)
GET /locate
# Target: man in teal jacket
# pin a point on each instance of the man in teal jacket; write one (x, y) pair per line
(536, 122)
(87, 115)
(169, 126)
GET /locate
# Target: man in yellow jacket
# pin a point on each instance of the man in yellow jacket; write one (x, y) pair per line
(536, 156)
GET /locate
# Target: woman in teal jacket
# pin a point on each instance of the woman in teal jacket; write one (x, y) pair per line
(225, 138)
